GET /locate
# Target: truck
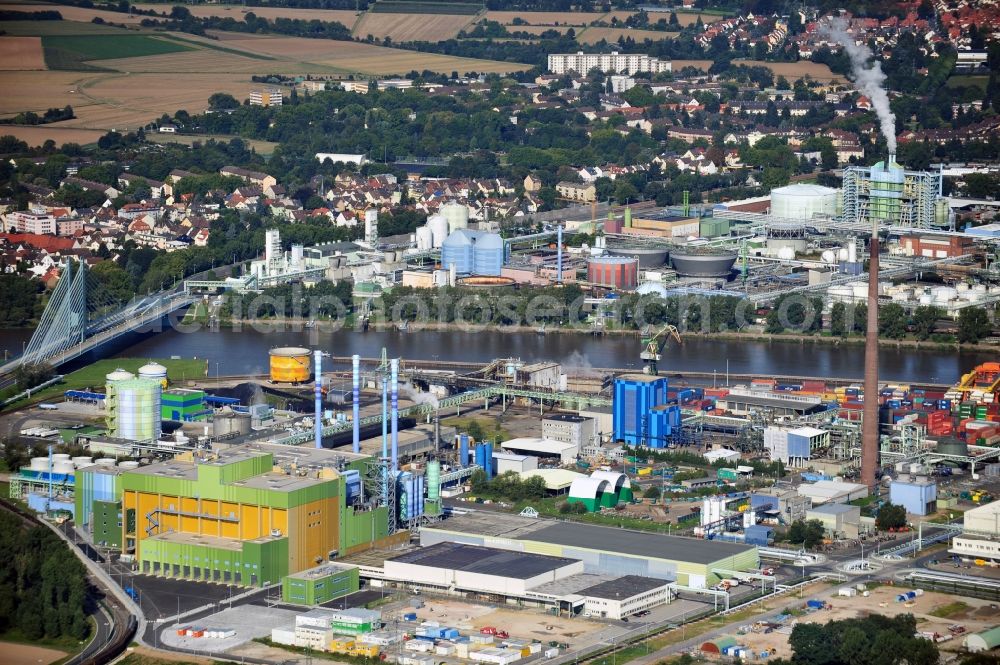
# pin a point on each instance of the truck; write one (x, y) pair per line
(495, 632)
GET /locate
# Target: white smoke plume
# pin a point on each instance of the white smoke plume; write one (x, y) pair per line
(408, 391)
(870, 81)
(578, 364)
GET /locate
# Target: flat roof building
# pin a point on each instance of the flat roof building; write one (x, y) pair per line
(539, 447)
(604, 550)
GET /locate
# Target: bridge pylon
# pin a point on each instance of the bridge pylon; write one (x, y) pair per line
(64, 321)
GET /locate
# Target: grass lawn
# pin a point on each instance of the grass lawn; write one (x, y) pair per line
(92, 376)
(71, 52)
(264, 148)
(490, 426)
(145, 659)
(967, 80)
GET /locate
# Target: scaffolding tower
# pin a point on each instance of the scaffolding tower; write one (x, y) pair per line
(893, 195)
(380, 486)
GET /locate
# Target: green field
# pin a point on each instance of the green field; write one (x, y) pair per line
(962, 81)
(71, 52)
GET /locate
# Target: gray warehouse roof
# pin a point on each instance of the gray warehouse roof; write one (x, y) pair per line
(484, 560)
(639, 543)
(623, 587)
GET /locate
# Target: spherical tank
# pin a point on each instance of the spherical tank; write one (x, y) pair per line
(648, 288)
(135, 409)
(290, 364)
(456, 214)
(615, 272)
(800, 201)
(439, 229)
(425, 238)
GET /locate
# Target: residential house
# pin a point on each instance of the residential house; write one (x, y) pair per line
(574, 191)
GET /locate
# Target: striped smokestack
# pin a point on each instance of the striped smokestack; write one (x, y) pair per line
(356, 397)
(394, 364)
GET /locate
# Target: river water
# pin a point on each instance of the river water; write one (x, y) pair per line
(246, 352)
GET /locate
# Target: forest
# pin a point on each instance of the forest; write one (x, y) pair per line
(43, 586)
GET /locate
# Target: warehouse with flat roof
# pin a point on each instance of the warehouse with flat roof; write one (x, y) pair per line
(603, 550)
(506, 576)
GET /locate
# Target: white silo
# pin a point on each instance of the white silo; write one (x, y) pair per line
(133, 409)
(119, 375)
(154, 371)
(297, 261)
(425, 238)
(439, 230)
(801, 201)
(456, 214)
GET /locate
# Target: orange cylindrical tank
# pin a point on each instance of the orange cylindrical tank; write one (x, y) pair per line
(290, 364)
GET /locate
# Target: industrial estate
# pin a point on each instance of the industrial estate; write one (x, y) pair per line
(419, 507)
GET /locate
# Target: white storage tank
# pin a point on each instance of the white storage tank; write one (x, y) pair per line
(439, 230)
(83, 461)
(63, 467)
(105, 461)
(119, 375)
(154, 371)
(297, 261)
(133, 409)
(800, 201)
(786, 253)
(39, 464)
(424, 238)
(456, 214)
(128, 465)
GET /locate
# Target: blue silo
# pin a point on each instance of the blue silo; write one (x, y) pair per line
(457, 250)
(487, 255)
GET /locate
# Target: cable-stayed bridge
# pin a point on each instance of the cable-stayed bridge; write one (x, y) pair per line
(82, 314)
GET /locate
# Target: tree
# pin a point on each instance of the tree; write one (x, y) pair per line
(808, 534)
(892, 321)
(625, 191)
(223, 101)
(890, 516)
(652, 492)
(925, 318)
(973, 325)
(838, 324)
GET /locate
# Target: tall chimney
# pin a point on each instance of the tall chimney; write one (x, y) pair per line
(870, 429)
(318, 392)
(356, 396)
(394, 364)
(385, 416)
(559, 249)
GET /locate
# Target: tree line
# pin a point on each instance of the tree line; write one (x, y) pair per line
(43, 585)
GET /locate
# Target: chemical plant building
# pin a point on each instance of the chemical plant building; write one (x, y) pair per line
(641, 413)
(609, 63)
(603, 550)
(246, 515)
(569, 428)
(980, 537)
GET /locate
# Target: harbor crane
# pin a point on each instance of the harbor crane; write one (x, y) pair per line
(652, 347)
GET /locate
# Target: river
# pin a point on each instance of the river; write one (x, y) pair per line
(245, 352)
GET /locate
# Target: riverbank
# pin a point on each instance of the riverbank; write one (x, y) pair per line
(300, 325)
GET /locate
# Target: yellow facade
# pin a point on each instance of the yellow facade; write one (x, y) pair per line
(312, 529)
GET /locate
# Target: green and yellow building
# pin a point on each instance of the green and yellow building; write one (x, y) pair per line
(248, 515)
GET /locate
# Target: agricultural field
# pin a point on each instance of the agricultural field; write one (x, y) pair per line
(594, 35)
(343, 16)
(795, 70)
(262, 147)
(70, 13)
(539, 29)
(407, 28)
(703, 65)
(73, 52)
(21, 54)
(547, 18)
(684, 18)
(28, 654)
(424, 7)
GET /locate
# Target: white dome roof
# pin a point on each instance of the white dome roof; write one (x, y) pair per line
(119, 375)
(153, 369)
(803, 189)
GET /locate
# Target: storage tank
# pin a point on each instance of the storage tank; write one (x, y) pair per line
(290, 364)
(654, 288)
(487, 255)
(786, 254)
(424, 238)
(105, 461)
(433, 480)
(154, 371)
(119, 375)
(707, 263)
(39, 464)
(128, 465)
(841, 293)
(297, 261)
(230, 424)
(63, 467)
(133, 409)
(829, 256)
(83, 461)
(439, 229)
(800, 201)
(614, 272)
(456, 214)
(457, 251)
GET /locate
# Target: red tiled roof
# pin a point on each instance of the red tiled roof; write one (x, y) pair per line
(48, 243)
